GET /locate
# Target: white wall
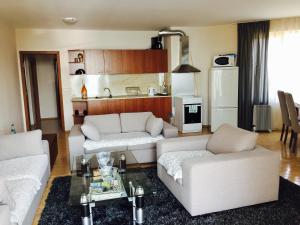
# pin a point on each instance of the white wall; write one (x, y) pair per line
(10, 110)
(206, 42)
(62, 40)
(46, 86)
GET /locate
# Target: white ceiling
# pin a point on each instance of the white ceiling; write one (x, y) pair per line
(141, 14)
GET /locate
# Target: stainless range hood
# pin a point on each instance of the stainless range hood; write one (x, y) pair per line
(184, 66)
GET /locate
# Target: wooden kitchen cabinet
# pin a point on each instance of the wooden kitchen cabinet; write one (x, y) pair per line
(156, 61)
(97, 107)
(159, 106)
(113, 61)
(94, 61)
(79, 110)
(133, 61)
(121, 61)
(115, 106)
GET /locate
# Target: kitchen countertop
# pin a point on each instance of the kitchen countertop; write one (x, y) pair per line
(117, 97)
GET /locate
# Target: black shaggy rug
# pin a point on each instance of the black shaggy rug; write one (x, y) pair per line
(164, 209)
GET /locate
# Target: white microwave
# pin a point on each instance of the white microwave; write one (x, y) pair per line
(224, 60)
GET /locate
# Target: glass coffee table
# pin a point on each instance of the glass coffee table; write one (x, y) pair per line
(95, 190)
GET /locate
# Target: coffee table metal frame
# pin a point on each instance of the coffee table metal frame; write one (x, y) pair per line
(80, 185)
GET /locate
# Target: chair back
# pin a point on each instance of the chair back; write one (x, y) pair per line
(283, 108)
(292, 112)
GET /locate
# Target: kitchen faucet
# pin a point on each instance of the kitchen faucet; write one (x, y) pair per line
(110, 96)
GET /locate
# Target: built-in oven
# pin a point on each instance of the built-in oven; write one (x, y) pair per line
(192, 113)
(188, 113)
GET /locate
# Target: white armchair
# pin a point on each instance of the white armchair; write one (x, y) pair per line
(221, 181)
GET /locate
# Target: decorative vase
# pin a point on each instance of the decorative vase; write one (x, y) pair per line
(83, 91)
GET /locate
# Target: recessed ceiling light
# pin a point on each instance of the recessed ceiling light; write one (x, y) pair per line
(70, 20)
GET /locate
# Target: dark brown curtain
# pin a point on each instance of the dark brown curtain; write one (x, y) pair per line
(252, 61)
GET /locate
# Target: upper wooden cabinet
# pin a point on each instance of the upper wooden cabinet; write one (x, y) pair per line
(123, 61)
(133, 61)
(94, 62)
(113, 61)
(156, 61)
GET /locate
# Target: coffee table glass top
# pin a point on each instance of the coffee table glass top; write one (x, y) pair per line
(111, 188)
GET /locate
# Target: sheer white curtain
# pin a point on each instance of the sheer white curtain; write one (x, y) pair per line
(283, 63)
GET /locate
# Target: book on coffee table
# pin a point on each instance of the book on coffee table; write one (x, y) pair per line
(105, 188)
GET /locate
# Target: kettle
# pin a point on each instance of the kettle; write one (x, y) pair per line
(151, 91)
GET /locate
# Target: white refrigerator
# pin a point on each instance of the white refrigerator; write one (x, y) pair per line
(223, 96)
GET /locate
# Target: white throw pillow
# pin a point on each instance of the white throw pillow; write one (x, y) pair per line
(5, 197)
(21, 144)
(154, 126)
(90, 131)
(228, 139)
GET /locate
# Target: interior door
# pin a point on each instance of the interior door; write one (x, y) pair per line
(30, 91)
(57, 87)
(35, 91)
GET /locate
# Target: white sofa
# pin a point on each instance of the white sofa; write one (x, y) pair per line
(119, 132)
(25, 168)
(218, 182)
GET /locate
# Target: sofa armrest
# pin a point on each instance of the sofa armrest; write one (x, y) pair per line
(45, 145)
(76, 140)
(4, 215)
(231, 180)
(169, 131)
(190, 143)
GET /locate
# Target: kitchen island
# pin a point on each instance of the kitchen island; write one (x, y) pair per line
(160, 106)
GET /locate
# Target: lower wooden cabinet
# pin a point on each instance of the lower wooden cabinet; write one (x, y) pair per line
(159, 106)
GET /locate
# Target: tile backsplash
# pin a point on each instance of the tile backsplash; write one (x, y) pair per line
(95, 84)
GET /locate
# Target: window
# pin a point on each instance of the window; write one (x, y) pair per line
(283, 63)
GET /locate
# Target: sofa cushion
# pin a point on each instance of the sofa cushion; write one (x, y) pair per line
(228, 139)
(30, 167)
(5, 197)
(154, 126)
(134, 122)
(172, 161)
(23, 192)
(123, 141)
(21, 144)
(143, 146)
(90, 131)
(23, 178)
(105, 124)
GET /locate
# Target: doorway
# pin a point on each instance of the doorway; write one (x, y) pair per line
(42, 91)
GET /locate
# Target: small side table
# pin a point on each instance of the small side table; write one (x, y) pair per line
(53, 150)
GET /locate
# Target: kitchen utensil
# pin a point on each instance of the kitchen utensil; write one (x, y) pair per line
(151, 91)
(133, 91)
